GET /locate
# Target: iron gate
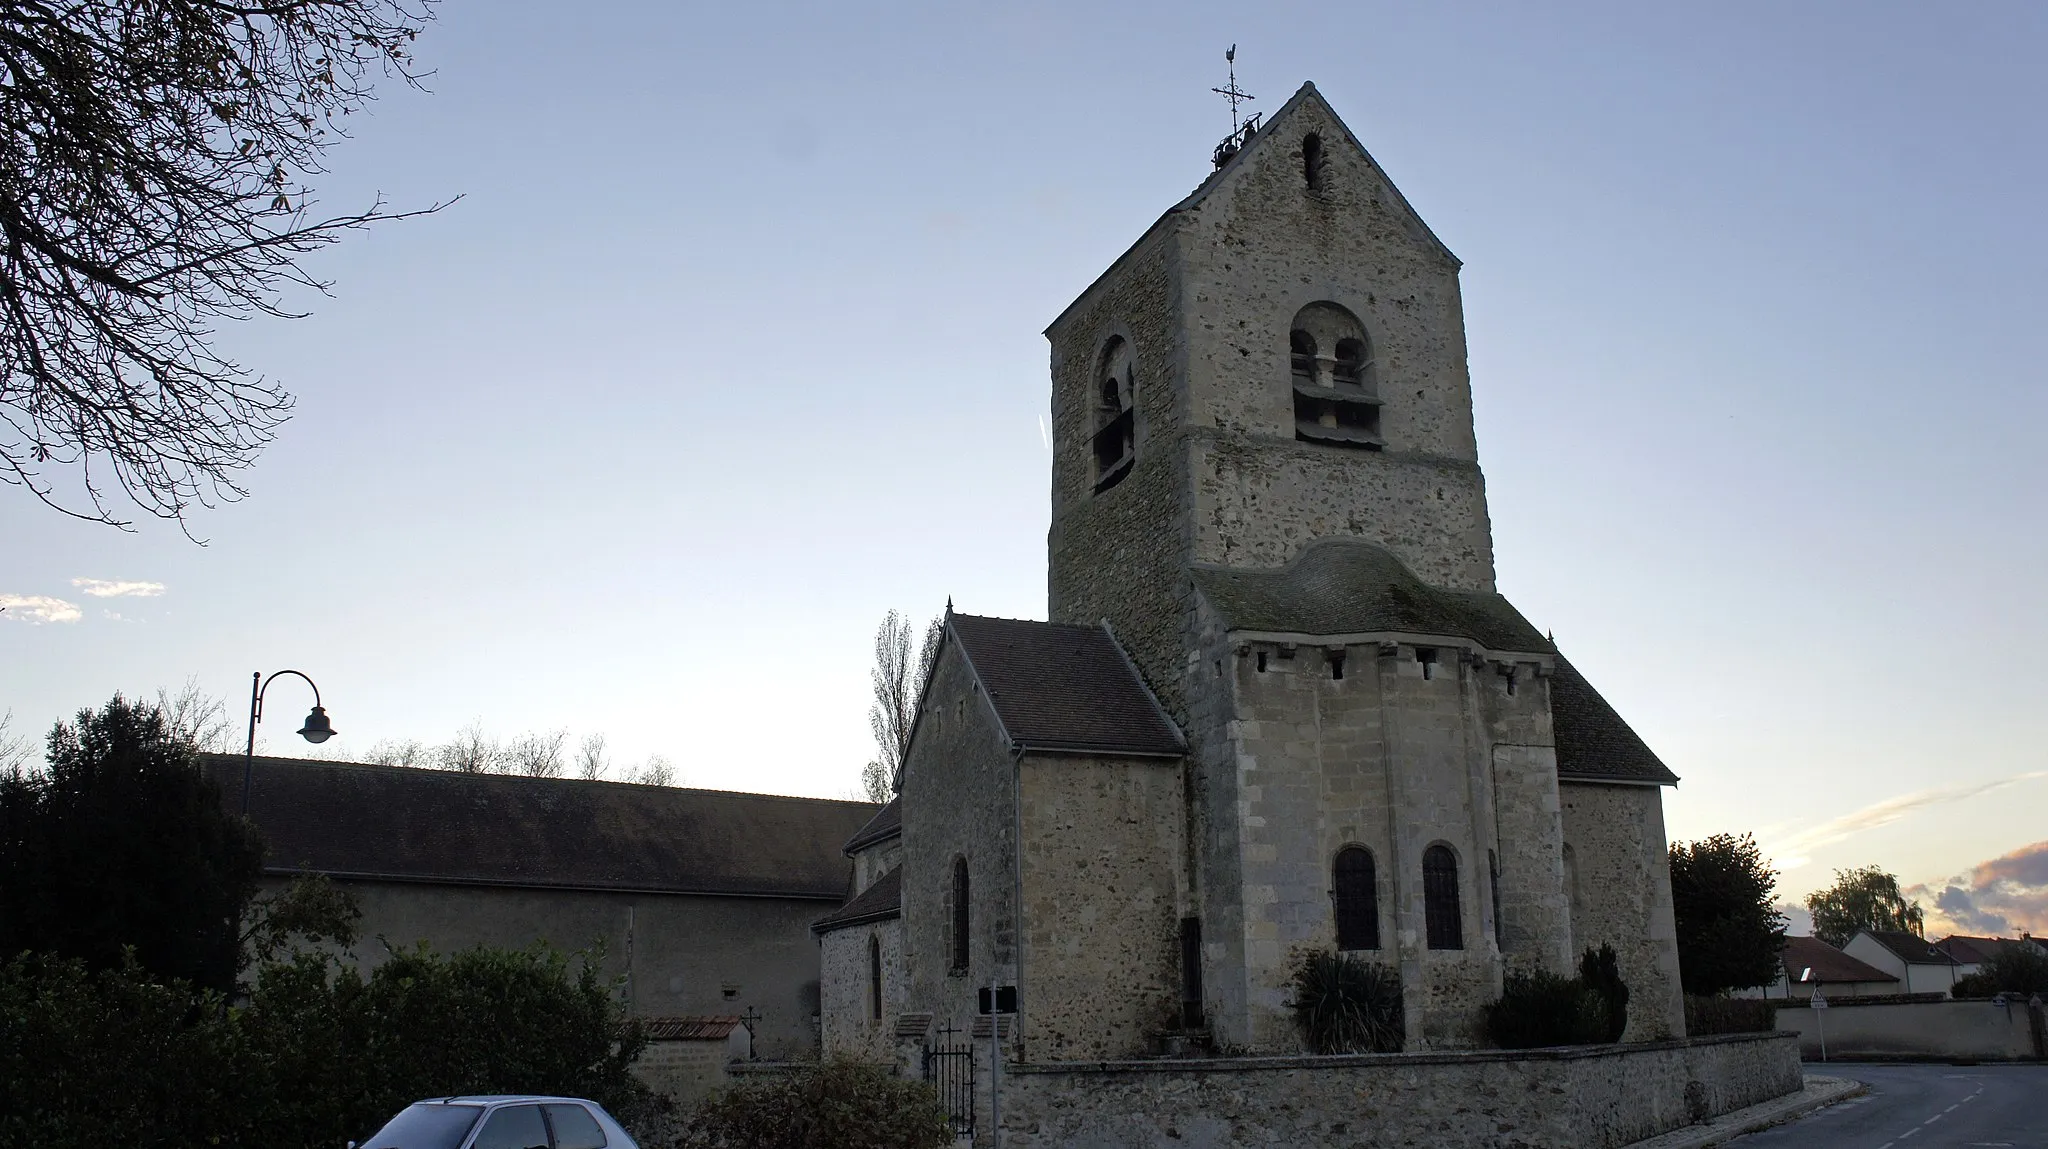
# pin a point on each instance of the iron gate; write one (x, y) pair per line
(949, 1067)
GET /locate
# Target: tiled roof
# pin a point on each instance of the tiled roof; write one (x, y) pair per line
(1969, 950)
(402, 824)
(689, 1028)
(1827, 965)
(1909, 947)
(1595, 744)
(1346, 586)
(882, 899)
(1064, 688)
(887, 823)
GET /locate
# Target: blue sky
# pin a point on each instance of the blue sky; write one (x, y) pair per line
(733, 344)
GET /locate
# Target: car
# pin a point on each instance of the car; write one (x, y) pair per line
(500, 1121)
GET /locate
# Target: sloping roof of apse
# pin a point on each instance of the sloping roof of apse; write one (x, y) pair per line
(398, 823)
(1064, 688)
(1349, 586)
(881, 900)
(1594, 742)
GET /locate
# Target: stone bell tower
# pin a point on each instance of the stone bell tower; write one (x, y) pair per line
(1279, 359)
(1265, 479)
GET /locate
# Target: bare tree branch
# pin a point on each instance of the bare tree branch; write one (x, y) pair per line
(153, 165)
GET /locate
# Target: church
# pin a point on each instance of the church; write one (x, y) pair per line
(1279, 705)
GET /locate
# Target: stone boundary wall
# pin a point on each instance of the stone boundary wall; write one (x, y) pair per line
(1935, 1030)
(1595, 1097)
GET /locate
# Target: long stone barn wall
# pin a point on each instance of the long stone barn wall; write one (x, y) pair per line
(1593, 1098)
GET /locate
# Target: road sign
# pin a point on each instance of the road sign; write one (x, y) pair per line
(1005, 999)
(1818, 1002)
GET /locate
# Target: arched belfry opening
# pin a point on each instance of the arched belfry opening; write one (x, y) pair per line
(1336, 391)
(1115, 441)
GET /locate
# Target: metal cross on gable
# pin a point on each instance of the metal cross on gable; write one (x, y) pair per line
(1233, 93)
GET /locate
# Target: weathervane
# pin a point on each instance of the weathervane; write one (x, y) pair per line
(1240, 130)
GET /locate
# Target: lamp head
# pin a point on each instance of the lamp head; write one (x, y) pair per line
(317, 728)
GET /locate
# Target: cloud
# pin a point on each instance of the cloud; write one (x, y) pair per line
(118, 588)
(2005, 895)
(37, 609)
(1792, 852)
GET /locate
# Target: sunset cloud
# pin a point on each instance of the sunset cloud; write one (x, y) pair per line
(36, 609)
(2003, 896)
(118, 588)
(1796, 850)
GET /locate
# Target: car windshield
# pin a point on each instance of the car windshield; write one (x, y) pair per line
(426, 1125)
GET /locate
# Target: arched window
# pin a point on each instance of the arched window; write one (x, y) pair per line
(874, 978)
(961, 921)
(1312, 161)
(1115, 441)
(1440, 914)
(1356, 896)
(1336, 398)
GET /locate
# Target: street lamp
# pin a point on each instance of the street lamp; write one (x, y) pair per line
(316, 730)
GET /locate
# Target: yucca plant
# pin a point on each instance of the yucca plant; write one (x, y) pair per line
(1344, 1004)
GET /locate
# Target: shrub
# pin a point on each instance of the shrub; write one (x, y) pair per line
(2012, 968)
(1343, 1004)
(1541, 1009)
(1705, 1016)
(1600, 970)
(317, 1056)
(836, 1105)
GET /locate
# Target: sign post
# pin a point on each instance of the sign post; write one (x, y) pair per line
(1820, 1019)
(997, 1001)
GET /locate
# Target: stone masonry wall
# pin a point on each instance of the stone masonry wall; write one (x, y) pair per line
(848, 1025)
(958, 801)
(1259, 247)
(1393, 761)
(679, 953)
(1102, 904)
(1593, 1098)
(1119, 555)
(1623, 896)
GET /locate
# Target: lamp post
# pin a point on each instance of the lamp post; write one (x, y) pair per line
(316, 730)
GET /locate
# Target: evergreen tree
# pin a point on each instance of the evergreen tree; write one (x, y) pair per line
(123, 842)
(1866, 898)
(1729, 931)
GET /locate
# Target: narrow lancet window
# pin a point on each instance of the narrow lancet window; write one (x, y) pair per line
(1356, 899)
(874, 978)
(1312, 161)
(961, 922)
(1440, 911)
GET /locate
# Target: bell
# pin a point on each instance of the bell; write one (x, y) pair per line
(317, 728)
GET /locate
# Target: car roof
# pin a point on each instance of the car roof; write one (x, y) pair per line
(501, 1099)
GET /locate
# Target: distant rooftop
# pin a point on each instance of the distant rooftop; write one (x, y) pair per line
(397, 823)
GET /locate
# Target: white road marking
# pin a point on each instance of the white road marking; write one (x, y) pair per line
(1932, 1120)
(1957, 1105)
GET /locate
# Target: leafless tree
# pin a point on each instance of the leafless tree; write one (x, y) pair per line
(536, 755)
(899, 684)
(471, 751)
(153, 164)
(591, 763)
(401, 752)
(656, 771)
(17, 750)
(197, 718)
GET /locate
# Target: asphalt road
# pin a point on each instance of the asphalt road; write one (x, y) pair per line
(1924, 1107)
